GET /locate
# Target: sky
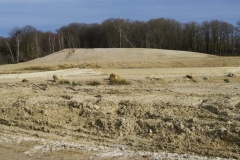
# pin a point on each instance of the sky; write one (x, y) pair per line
(49, 15)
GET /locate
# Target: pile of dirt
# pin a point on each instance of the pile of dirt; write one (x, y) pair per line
(105, 58)
(151, 115)
(113, 54)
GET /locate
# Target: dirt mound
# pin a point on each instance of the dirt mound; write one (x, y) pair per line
(120, 58)
(146, 115)
(115, 54)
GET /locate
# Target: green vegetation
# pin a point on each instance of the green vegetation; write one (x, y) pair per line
(205, 78)
(64, 82)
(67, 66)
(50, 68)
(156, 79)
(39, 68)
(170, 31)
(226, 80)
(93, 83)
(76, 83)
(68, 82)
(118, 82)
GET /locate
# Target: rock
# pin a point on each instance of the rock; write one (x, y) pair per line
(44, 112)
(199, 139)
(230, 74)
(229, 123)
(96, 107)
(179, 126)
(187, 131)
(192, 128)
(25, 80)
(114, 76)
(154, 77)
(193, 120)
(28, 110)
(57, 77)
(189, 76)
(151, 77)
(222, 129)
(169, 124)
(150, 131)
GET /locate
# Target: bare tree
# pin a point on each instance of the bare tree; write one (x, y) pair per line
(30, 42)
(37, 44)
(6, 41)
(16, 34)
(237, 37)
(51, 42)
(120, 34)
(18, 39)
(60, 39)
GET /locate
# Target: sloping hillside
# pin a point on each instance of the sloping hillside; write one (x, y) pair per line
(121, 58)
(116, 54)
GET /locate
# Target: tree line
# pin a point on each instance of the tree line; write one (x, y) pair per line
(211, 37)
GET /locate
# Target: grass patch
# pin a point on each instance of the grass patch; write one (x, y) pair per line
(76, 83)
(226, 80)
(156, 79)
(64, 82)
(94, 83)
(73, 83)
(118, 82)
(66, 66)
(39, 68)
(50, 68)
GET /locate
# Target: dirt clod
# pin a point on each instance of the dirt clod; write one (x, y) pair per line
(57, 78)
(25, 80)
(114, 76)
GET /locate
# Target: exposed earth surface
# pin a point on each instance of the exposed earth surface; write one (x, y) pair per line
(166, 105)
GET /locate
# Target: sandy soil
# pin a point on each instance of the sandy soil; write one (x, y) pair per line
(161, 114)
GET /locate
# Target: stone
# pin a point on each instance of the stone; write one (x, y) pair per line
(150, 131)
(230, 74)
(114, 76)
(96, 107)
(189, 76)
(44, 112)
(25, 80)
(57, 77)
(193, 120)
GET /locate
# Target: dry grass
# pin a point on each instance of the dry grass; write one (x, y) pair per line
(119, 82)
(94, 83)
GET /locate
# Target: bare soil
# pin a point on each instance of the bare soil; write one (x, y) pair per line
(161, 114)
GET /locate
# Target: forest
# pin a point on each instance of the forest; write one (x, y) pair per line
(211, 37)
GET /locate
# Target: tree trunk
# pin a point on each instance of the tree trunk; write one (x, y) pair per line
(18, 39)
(10, 51)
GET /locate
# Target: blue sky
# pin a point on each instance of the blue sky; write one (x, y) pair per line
(49, 15)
